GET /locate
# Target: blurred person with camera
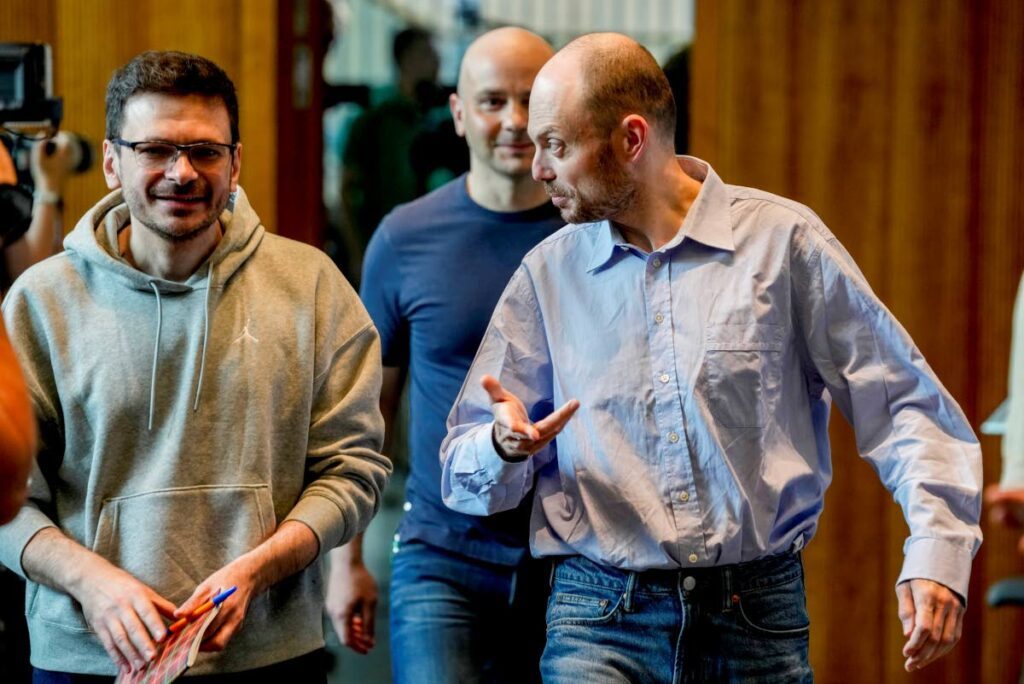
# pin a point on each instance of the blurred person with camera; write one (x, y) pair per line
(17, 425)
(17, 434)
(206, 397)
(52, 162)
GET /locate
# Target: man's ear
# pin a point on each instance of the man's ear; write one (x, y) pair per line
(634, 137)
(455, 106)
(111, 165)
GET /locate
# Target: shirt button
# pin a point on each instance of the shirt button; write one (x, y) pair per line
(659, 319)
(673, 437)
(692, 558)
(663, 377)
(684, 496)
(656, 262)
(407, 506)
(689, 582)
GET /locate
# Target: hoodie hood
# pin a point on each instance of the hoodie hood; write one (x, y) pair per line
(94, 242)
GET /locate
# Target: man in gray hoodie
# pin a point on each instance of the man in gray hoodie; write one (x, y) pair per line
(207, 403)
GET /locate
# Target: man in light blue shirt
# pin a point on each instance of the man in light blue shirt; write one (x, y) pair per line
(695, 333)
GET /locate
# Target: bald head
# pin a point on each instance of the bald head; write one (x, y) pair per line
(505, 49)
(612, 76)
(491, 107)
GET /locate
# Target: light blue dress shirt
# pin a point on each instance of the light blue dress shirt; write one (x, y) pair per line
(704, 371)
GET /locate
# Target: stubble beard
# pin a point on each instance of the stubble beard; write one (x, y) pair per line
(614, 192)
(143, 211)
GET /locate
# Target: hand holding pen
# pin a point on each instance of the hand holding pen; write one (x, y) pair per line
(201, 610)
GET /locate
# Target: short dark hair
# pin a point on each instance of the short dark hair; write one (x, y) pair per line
(405, 39)
(168, 73)
(624, 79)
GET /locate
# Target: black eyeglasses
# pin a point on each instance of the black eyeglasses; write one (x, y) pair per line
(158, 155)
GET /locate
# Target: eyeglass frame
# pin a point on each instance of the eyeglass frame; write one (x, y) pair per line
(186, 148)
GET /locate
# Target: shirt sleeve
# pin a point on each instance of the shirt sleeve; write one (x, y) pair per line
(345, 469)
(474, 478)
(381, 295)
(907, 425)
(1013, 440)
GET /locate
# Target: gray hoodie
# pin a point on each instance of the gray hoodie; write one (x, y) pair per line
(182, 422)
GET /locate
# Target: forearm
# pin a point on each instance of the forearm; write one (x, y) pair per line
(286, 552)
(348, 554)
(40, 241)
(52, 161)
(392, 382)
(54, 559)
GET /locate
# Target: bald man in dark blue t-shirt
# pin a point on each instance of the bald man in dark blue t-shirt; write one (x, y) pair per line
(432, 274)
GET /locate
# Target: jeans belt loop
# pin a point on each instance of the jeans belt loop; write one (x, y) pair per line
(627, 599)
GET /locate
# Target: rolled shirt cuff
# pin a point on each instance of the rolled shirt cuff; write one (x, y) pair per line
(501, 470)
(482, 482)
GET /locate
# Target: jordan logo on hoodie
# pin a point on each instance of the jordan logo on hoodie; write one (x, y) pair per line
(245, 335)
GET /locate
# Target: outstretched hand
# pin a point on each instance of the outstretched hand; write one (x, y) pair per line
(515, 436)
(932, 616)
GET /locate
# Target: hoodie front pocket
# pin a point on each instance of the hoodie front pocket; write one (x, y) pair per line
(173, 539)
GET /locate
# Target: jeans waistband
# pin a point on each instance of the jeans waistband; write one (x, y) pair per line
(717, 583)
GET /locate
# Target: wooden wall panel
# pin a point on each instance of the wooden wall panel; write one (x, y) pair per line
(91, 39)
(900, 124)
(27, 21)
(257, 101)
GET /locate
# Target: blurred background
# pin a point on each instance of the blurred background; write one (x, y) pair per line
(900, 123)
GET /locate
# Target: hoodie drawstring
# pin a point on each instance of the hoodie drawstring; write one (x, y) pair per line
(156, 353)
(156, 346)
(206, 334)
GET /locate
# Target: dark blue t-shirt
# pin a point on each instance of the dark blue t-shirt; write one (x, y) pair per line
(432, 274)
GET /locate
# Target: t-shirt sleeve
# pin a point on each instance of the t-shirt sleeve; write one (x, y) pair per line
(381, 295)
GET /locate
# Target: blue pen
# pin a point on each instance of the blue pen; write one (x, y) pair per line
(205, 608)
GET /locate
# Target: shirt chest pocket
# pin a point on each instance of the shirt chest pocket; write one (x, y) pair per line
(739, 375)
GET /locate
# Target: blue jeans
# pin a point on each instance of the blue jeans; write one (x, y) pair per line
(736, 623)
(455, 619)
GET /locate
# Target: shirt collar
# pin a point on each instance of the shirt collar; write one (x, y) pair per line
(708, 221)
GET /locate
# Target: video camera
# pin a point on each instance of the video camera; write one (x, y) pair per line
(29, 113)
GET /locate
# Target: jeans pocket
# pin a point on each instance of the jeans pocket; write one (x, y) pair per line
(779, 611)
(579, 604)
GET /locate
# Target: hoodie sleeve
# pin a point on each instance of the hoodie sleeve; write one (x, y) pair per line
(345, 469)
(29, 345)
